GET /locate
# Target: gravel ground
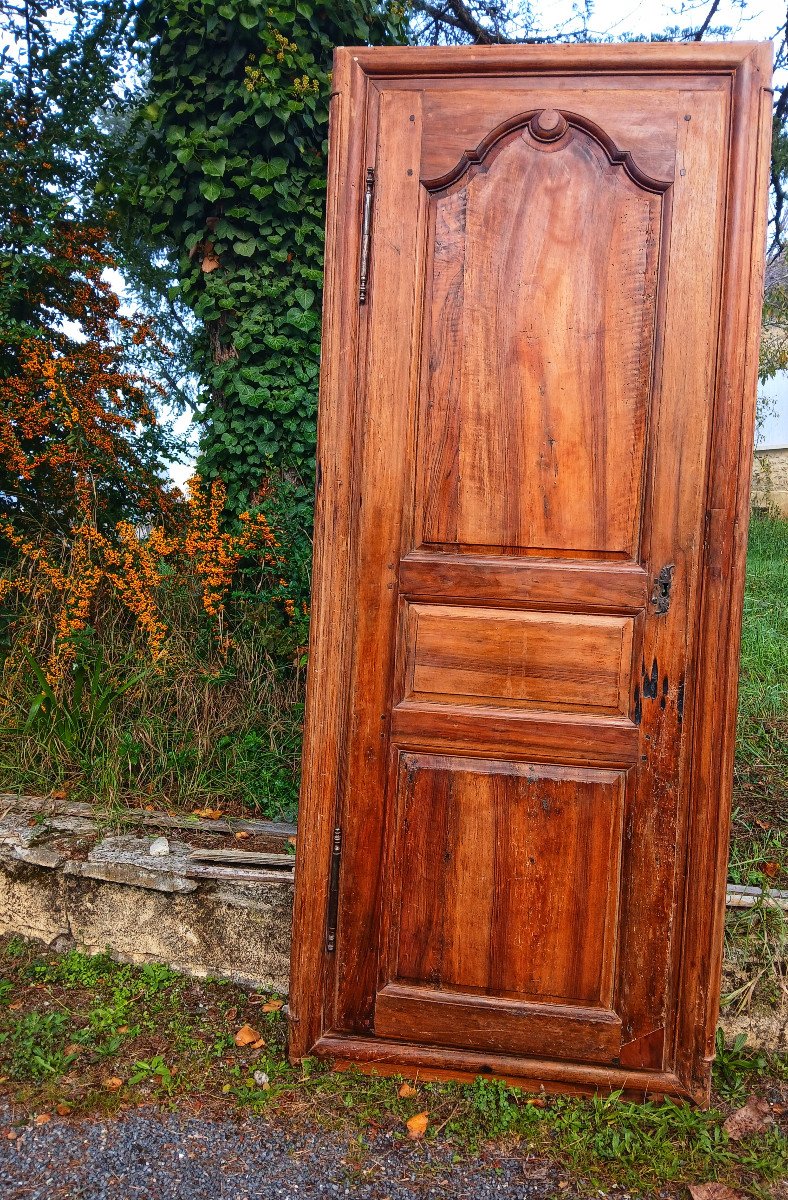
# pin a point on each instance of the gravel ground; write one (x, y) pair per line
(172, 1157)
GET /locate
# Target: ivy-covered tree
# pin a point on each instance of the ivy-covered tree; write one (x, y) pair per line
(233, 181)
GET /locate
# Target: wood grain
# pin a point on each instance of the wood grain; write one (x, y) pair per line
(542, 414)
(539, 376)
(516, 890)
(546, 660)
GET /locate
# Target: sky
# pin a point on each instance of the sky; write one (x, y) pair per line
(618, 17)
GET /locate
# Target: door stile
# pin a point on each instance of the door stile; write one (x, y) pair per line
(386, 389)
(329, 646)
(724, 555)
(391, 868)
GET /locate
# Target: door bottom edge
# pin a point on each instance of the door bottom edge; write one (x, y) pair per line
(433, 1064)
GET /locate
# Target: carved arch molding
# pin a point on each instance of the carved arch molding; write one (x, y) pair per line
(543, 129)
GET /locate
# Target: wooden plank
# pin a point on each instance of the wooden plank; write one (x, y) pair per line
(406, 1059)
(539, 583)
(725, 547)
(495, 1024)
(520, 733)
(329, 649)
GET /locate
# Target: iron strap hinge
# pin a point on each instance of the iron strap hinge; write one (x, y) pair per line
(333, 891)
(366, 235)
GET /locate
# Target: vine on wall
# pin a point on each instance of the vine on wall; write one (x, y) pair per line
(234, 183)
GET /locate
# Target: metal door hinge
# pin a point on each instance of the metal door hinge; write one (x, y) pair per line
(333, 892)
(366, 234)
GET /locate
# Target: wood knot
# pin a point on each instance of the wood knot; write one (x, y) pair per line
(548, 125)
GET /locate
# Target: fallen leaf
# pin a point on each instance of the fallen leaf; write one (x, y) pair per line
(258, 1045)
(771, 869)
(231, 1014)
(763, 824)
(74, 1048)
(753, 1118)
(60, 794)
(210, 814)
(537, 1102)
(123, 1029)
(150, 808)
(242, 834)
(62, 1109)
(17, 1004)
(406, 1090)
(273, 1005)
(42, 1118)
(226, 1087)
(113, 1083)
(291, 841)
(246, 1035)
(713, 1191)
(12, 1135)
(417, 1126)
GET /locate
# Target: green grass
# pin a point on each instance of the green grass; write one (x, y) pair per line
(763, 689)
(86, 1035)
(759, 835)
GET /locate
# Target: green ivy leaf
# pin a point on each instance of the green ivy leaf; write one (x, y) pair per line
(211, 191)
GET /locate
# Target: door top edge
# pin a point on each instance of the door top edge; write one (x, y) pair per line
(638, 57)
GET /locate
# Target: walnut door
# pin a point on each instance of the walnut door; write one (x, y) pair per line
(533, 466)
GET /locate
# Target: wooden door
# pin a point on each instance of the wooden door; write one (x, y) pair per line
(540, 348)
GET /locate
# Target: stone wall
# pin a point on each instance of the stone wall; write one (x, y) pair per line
(770, 480)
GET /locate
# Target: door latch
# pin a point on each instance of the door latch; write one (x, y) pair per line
(663, 585)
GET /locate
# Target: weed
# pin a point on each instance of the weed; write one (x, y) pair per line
(734, 1067)
(36, 1044)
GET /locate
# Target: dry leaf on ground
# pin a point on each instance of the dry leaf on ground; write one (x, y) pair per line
(210, 814)
(273, 1005)
(42, 1118)
(417, 1126)
(772, 869)
(406, 1090)
(243, 833)
(113, 1083)
(62, 1109)
(713, 1191)
(753, 1118)
(246, 1035)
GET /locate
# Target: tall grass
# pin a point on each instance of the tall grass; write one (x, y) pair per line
(198, 729)
(763, 688)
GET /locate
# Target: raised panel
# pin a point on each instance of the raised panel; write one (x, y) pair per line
(546, 660)
(507, 878)
(538, 360)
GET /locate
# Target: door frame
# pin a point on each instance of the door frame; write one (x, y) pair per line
(715, 686)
